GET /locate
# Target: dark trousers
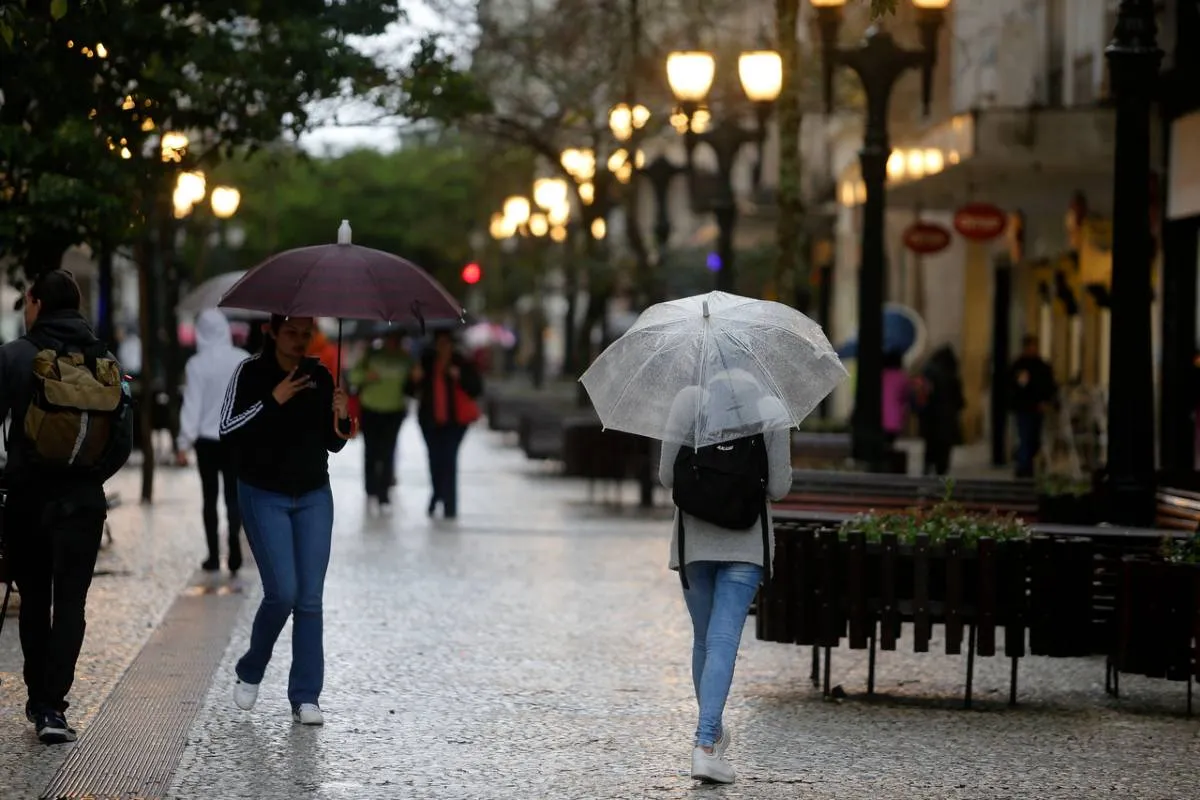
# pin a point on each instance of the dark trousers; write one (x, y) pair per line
(215, 464)
(1029, 441)
(380, 431)
(442, 442)
(52, 545)
(937, 455)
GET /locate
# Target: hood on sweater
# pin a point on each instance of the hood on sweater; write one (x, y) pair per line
(212, 330)
(64, 327)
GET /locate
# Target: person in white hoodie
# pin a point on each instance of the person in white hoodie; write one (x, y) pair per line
(206, 380)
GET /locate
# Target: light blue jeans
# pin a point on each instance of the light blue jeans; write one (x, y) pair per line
(718, 599)
(290, 538)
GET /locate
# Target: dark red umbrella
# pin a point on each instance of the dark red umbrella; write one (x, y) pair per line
(345, 281)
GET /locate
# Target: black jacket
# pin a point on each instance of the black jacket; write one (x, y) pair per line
(67, 329)
(468, 379)
(280, 448)
(1031, 382)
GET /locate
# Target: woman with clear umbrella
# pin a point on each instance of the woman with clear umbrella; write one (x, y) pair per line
(721, 569)
(721, 380)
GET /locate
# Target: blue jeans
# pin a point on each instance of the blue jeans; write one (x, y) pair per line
(1029, 441)
(718, 599)
(290, 538)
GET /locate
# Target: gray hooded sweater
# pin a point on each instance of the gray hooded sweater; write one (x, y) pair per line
(709, 542)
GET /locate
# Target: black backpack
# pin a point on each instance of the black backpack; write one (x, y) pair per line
(724, 484)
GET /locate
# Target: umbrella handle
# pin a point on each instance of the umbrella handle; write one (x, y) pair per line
(353, 429)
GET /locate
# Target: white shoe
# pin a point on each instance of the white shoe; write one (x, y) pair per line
(245, 695)
(710, 767)
(722, 744)
(308, 714)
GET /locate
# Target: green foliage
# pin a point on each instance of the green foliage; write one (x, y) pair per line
(939, 522)
(1181, 551)
(1055, 484)
(422, 201)
(89, 82)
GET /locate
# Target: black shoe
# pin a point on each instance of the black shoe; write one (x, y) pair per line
(235, 564)
(211, 565)
(433, 502)
(52, 728)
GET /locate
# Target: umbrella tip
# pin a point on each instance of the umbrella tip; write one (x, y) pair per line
(344, 232)
(704, 305)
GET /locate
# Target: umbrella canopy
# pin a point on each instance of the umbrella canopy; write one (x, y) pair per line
(903, 334)
(209, 294)
(345, 281)
(712, 368)
(370, 329)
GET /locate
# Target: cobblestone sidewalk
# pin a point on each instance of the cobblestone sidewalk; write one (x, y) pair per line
(539, 649)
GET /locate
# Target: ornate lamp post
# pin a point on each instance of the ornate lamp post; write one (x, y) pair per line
(1133, 58)
(691, 75)
(879, 62)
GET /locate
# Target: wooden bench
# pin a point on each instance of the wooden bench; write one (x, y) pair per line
(856, 492)
(1177, 510)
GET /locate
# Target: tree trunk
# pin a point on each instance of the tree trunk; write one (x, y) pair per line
(788, 266)
(148, 332)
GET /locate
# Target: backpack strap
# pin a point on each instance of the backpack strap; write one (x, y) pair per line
(765, 466)
(682, 566)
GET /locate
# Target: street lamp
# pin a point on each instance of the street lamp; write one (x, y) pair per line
(879, 62)
(1133, 59)
(225, 201)
(690, 75)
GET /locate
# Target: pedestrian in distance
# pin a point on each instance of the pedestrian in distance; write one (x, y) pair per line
(446, 385)
(72, 429)
(282, 417)
(1032, 392)
(379, 378)
(723, 540)
(937, 398)
(206, 382)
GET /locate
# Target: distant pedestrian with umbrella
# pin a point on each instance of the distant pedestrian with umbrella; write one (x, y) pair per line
(721, 379)
(447, 386)
(284, 414)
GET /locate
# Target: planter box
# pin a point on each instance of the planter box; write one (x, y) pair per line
(1158, 619)
(827, 588)
(1068, 509)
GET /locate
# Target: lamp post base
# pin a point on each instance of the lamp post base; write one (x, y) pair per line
(1128, 502)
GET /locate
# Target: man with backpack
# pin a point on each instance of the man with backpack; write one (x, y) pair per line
(71, 429)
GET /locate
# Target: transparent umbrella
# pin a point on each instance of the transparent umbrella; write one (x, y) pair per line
(712, 368)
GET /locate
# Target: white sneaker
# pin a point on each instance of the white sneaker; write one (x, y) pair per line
(245, 695)
(308, 714)
(710, 767)
(722, 744)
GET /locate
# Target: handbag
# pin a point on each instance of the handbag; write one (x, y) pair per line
(466, 410)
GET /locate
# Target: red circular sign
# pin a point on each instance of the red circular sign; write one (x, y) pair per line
(471, 273)
(926, 238)
(980, 222)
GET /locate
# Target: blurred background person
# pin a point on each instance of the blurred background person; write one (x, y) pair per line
(379, 379)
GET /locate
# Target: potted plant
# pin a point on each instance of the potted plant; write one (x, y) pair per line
(1064, 500)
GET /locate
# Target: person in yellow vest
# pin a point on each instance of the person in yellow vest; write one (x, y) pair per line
(379, 380)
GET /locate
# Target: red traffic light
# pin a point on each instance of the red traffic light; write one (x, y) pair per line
(471, 273)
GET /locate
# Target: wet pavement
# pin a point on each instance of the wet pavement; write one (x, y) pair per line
(538, 647)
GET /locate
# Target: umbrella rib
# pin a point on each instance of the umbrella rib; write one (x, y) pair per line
(766, 373)
(632, 378)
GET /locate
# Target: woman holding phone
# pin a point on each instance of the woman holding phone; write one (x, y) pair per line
(282, 417)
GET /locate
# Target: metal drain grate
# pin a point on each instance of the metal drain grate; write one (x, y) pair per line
(132, 747)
